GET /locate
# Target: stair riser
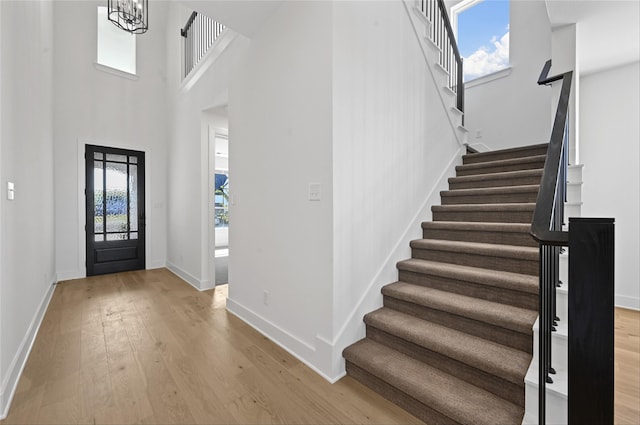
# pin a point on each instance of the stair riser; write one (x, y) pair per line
(497, 334)
(462, 170)
(455, 183)
(501, 387)
(408, 403)
(497, 156)
(506, 238)
(507, 198)
(559, 349)
(478, 260)
(484, 216)
(470, 289)
(556, 404)
(564, 269)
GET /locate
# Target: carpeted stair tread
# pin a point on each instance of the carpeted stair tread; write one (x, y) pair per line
(506, 194)
(450, 396)
(501, 165)
(503, 233)
(474, 226)
(508, 280)
(497, 314)
(495, 250)
(505, 362)
(502, 179)
(519, 152)
(503, 213)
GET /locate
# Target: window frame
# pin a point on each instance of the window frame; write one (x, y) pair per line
(461, 7)
(131, 48)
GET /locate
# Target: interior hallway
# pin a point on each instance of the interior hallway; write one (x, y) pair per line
(145, 347)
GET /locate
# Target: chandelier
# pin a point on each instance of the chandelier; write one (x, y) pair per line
(130, 15)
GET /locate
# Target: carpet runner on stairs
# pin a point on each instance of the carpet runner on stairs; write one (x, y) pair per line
(453, 340)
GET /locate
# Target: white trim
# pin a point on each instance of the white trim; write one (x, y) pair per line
(459, 8)
(292, 345)
(70, 275)
(217, 48)
(480, 147)
(82, 213)
(630, 303)
(200, 285)
(115, 71)
(502, 73)
(10, 383)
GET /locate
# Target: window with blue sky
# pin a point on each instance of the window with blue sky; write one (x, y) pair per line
(483, 37)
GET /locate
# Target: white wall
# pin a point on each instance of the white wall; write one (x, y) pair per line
(280, 111)
(26, 152)
(96, 107)
(188, 151)
(392, 142)
(513, 110)
(609, 132)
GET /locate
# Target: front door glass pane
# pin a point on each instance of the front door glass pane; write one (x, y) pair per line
(133, 196)
(116, 184)
(98, 186)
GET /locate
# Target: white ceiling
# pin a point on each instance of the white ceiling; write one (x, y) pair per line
(608, 30)
(243, 16)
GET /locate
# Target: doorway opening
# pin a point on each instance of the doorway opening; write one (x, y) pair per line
(221, 199)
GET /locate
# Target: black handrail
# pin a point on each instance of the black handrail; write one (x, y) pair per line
(441, 33)
(542, 223)
(546, 229)
(183, 31)
(458, 58)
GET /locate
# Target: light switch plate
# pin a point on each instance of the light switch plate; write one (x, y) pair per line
(11, 191)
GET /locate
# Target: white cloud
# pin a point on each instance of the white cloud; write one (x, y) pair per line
(487, 60)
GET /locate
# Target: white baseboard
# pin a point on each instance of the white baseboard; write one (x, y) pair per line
(158, 264)
(301, 350)
(200, 285)
(70, 275)
(628, 302)
(10, 383)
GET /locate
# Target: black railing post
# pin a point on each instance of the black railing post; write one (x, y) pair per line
(591, 328)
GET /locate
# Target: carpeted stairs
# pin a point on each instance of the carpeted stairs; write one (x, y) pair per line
(453, 341)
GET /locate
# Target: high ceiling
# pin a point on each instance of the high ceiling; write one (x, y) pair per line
(608, 30)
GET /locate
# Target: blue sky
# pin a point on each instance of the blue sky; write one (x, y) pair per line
(483, 37)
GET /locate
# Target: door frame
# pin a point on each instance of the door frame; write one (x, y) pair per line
(212, 133)
(82, 213)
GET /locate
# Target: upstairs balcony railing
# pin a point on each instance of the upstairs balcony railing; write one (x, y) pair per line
(441, 34)
(199, 34)
(591, 294)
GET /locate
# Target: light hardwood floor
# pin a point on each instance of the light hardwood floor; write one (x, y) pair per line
(145, 347)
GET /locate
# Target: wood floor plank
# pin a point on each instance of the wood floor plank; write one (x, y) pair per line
(145, 347)
(627, 367)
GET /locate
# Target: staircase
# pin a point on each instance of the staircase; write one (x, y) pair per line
(454, 338)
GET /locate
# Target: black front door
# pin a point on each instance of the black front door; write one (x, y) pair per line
(115, 210)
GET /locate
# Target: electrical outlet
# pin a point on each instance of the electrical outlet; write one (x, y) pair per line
(314, 191)
(265, 298)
